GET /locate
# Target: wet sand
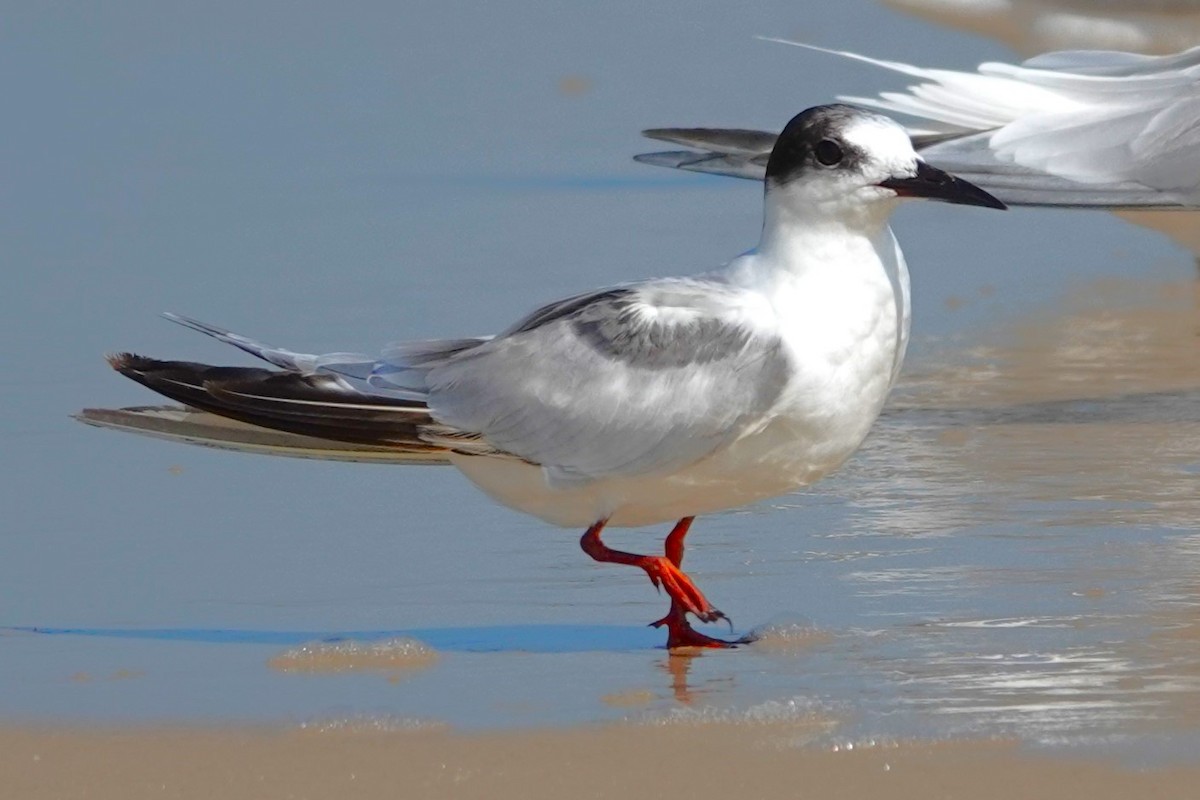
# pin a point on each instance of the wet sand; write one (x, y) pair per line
(626, 761)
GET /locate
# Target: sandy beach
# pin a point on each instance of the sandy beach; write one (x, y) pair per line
(625, 761)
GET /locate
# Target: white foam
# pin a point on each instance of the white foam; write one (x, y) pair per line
(389, 655)
(787, 636)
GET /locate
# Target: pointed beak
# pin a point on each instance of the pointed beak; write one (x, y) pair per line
(935, 184)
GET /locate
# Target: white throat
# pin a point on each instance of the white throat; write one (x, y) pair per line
(801, 233)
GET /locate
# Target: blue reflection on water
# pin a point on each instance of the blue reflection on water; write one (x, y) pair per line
(482, 639)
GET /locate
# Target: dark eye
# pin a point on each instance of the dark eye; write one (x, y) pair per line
(828, 152)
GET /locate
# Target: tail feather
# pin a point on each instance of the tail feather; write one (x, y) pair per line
(318, 406)
(306, 363)
(192, 426)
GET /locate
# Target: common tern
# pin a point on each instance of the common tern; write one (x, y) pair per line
(641, 403)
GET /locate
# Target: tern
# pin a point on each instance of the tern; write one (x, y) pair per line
(647, 402)
(1086, 129)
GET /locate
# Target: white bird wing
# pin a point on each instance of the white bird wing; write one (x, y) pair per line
(1113, 63)
(972, 159)
(637, 379)
(950, 99)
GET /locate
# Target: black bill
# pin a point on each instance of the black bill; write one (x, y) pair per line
(935, 184)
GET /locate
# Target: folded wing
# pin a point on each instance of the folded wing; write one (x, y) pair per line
(626, 381)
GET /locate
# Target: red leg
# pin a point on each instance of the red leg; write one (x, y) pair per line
(679, 632)
(664, 572)
(674, 544)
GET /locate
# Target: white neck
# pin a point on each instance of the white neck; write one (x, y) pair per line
(827, 267)
(798, 238)
(789, 219)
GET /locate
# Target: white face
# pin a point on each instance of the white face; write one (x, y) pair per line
(842, 158)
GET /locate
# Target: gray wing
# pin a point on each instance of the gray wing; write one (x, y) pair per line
(708, 163)
(733, 152)
(730, 141)
(625, 381)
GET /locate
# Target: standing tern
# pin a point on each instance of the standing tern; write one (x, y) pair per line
(642, 403)
(1090, 129)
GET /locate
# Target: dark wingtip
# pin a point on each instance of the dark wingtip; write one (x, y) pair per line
(88, 416)
(659, 133)
(131, 364)
(120, 361)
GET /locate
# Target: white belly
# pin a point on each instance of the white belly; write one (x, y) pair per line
(790, 451)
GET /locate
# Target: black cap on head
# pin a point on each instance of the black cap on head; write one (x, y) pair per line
(813, 140)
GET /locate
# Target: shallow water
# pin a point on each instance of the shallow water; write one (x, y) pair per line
(1013, 553)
